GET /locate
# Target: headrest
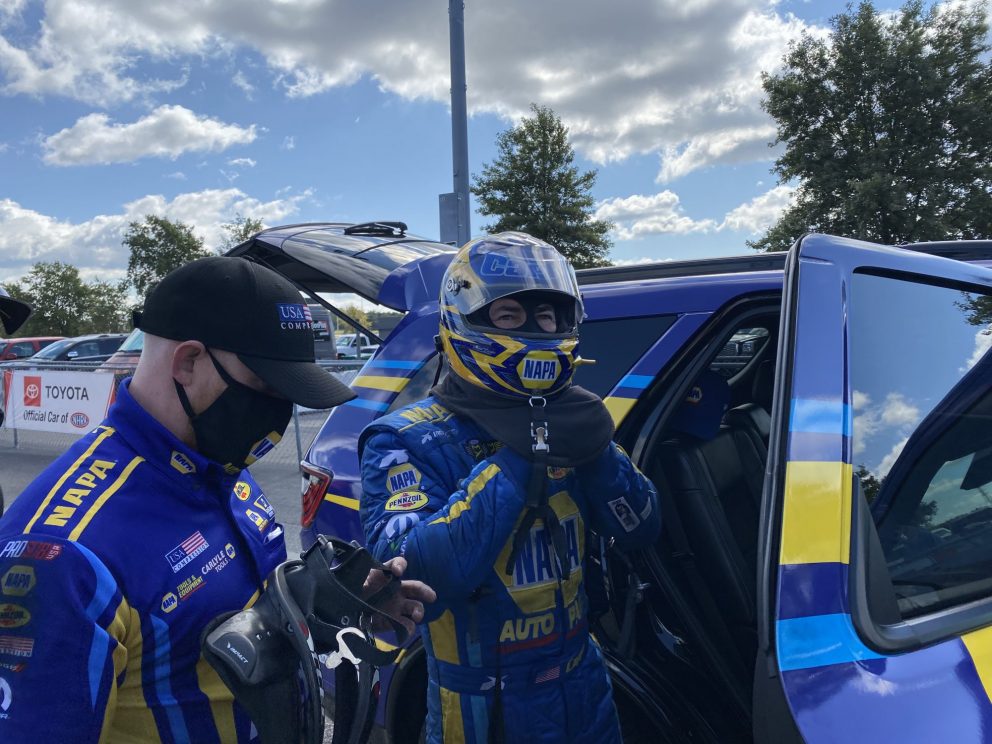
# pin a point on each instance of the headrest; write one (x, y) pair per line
(702, 410)
(763, 385)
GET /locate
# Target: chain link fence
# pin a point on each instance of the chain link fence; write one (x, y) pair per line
(303, 428)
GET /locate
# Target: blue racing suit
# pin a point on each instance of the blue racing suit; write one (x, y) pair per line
(111, 563)
(440, 492)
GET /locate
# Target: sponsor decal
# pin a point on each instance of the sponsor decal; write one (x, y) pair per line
(13, 667)
(32, 391)
(426, 414)
(182, 463)
(535, 563)
(242, 490)
(16, 646)
(432, 436)
(558, 473)
(181, 555)
(410, 501)
(399, 524)
(624, 514)
(394, 457)
(257, 519)
(695, 395)
(263, 503)
(219, 562)
(402, 478)
(5, 697)
(18, 581)
(79, 420)
(539, 369)
(39, 551)
(169, 602)
(498, 265)
(294, 317)
(72, 498)
(190, 585)
(480, 450)
(13, 616)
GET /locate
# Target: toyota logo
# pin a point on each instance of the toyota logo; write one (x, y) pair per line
(32, 390)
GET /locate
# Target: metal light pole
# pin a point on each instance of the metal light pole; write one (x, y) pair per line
(454, 207)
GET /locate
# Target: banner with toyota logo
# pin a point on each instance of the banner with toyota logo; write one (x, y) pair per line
(45, 400)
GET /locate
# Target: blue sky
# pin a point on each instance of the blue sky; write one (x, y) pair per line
(337, 110)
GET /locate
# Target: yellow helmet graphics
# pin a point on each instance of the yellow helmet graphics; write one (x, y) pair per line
(524, 361)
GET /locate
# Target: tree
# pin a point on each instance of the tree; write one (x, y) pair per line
(534, 187)
(157, 247)
(887, 127)
(238, 231)
(355, 313)
(65, 305)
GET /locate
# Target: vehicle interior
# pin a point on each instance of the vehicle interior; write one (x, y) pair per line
(702, 438)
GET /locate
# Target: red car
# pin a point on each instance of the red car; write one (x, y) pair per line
(20, 348)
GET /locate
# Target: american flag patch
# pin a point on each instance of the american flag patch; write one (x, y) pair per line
(548, 674)
(16, 646)
(186, 551)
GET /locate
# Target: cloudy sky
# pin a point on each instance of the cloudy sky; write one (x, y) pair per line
(337, 110)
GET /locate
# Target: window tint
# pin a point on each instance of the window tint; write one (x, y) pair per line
(739, 349)
(22, 349)
(87, 348)
(921, 369)
(616, 345)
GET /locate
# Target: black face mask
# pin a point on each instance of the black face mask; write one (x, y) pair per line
(240, 426)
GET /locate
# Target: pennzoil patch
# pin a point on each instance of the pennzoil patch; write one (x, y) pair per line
(406, 502)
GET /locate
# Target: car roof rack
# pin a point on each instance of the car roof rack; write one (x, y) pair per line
(386, 229)
(693, 267)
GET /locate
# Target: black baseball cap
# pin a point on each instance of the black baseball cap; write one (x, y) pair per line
(233, 304)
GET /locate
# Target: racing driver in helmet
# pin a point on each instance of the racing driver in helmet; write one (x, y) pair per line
(488, 487)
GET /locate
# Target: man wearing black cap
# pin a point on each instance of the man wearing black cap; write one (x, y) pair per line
(117, 556)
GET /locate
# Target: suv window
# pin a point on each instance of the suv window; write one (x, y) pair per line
(21, 349)
(739, 349)
(922, 445)
(616, 345)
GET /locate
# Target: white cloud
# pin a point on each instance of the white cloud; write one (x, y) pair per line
(890, 459)
(177, 176)
(983, 343)
(761, 212)
(640, 261)
(680, 79)
(168, 131)
(289, 143)
(636, 216)
(639, 215)
(876, 424)
(94, 246)
(242, 162)
(240, 80)
(898, 412)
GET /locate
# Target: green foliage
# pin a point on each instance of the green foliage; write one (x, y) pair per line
(887, 127)
(355, 313)
(534, 187)
(238, 231)
(157, 247)
(65, 305)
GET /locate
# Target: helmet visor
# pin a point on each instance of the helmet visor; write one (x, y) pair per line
(495, 269)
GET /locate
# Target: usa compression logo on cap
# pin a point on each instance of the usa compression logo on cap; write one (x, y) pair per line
(294, 316)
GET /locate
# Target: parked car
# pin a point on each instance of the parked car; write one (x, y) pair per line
(355, 346)
(805, 587)
(21, 348)
(97, 347)
(123, 361)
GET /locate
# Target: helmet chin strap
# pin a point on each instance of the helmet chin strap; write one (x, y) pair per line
(537, 505)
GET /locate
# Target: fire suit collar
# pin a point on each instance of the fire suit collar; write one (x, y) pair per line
(161, 448)
(579, 425)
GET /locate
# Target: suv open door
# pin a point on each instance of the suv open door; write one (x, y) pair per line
(875, 565)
